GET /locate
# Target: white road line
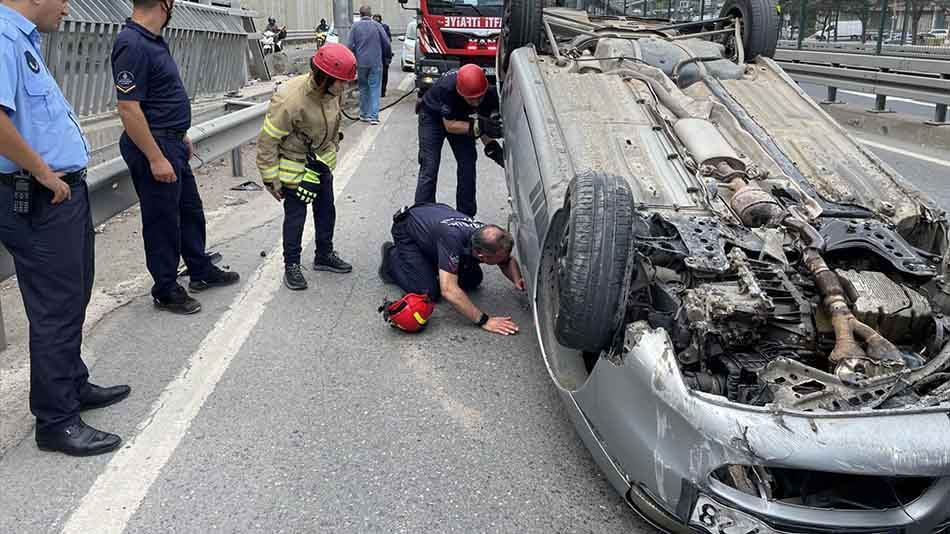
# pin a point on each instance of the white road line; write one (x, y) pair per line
(902, 152)
(121, 487)
(889, 99)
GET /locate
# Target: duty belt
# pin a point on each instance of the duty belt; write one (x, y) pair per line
(177, 134)
(71, 179)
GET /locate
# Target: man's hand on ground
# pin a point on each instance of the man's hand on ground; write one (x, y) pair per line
(53, 182)
(501, 325)
(162, 171)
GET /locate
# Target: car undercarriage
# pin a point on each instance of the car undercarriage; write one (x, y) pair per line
(743, 307)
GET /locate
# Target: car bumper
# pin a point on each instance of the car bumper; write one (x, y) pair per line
(658, 440)
(429, 69)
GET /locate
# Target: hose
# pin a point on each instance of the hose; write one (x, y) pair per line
(384, 108)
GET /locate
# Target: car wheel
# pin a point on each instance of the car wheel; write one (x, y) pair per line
(594, 260)
(760, 25)
(521, 25)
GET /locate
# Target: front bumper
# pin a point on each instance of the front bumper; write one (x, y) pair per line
(430, 68)
(648, 431)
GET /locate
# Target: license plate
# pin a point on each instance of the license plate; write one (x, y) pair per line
(489, 71)
(718, 519)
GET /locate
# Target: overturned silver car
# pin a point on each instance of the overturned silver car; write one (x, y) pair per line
(743, 308)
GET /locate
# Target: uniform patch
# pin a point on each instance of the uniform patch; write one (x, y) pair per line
(32, 62)
(125, 81)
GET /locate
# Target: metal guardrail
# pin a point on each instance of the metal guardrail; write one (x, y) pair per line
(208, 43)
(869, 48)
(926, 80)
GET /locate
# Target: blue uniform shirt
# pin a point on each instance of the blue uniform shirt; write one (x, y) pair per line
(30, 97)
(443, 234)
(444, 100)
(369, 43)
(143, 69)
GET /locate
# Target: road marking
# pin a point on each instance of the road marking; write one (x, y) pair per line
(909, 154)
(119, 490)
(889, 99)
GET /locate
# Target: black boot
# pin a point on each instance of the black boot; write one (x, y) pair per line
(93, 396)
(179, 302)
(77, 439)
(293, 278)
(384, 262)
(331, 262)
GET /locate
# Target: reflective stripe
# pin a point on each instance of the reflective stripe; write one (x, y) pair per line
(329, 158)
(270, 173)
(419, 318)
(291, 165)
(272, 130)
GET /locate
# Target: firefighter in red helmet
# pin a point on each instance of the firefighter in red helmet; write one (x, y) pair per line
(296, 155)
(460, 107)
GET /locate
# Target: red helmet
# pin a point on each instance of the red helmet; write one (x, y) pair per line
(471, 81)
(410, 313)
(336, 61)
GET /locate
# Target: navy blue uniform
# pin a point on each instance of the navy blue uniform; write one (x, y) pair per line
(173, 220)
(430, 238)
(440, 102)
(53, 246)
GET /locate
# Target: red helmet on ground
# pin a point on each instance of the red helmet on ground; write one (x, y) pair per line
(410, 313)
(336, 61)
(471, 81)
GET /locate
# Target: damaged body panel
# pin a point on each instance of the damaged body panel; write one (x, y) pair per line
(744, 310)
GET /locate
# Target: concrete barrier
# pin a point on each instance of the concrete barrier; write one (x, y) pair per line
(899, 126)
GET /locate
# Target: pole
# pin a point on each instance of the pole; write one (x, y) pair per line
(702, 8)
(880, 32)
(802, 11)
(343, 19)
(669, 9)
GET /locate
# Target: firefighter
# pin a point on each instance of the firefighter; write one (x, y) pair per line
(437, 251)
(446, 113)
(296, 155)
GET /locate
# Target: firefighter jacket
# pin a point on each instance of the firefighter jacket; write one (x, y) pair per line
(299, 120)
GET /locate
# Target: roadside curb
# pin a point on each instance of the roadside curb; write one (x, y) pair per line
(902, 127)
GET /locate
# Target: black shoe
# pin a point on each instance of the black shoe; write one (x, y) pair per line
(179, 302)
(331, 262)
(293, 278)
(99, 397)
(78, 439)
(215, 278)
(384, 262)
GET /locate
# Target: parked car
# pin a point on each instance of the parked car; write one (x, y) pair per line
(742, 308)
(409, 46)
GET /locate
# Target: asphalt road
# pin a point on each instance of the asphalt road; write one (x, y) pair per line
(279, 411)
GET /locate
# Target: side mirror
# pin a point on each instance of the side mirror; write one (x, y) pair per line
(402, 38)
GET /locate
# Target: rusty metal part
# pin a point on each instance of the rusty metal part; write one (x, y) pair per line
(755, 206)
(706, 144)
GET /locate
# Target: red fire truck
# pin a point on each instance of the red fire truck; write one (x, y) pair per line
(453, 33)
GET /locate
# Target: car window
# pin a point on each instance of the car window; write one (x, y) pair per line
(411, 31)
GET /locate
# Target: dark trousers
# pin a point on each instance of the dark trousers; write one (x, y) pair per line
(173, 218)
(53, 251)
(432, 134)
(295, 216)
(415, 272)
(385, 82)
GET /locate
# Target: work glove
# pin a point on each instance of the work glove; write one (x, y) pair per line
(491, 126)
(495, 152)
(309, 185)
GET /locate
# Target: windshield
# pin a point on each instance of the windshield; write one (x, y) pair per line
(411, 30)
(468, 8)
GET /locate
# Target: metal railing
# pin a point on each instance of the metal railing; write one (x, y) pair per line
(208, 43)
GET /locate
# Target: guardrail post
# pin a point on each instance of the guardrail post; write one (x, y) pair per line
(880, 104)
(237, 166)
(940, 115)
(832, 96)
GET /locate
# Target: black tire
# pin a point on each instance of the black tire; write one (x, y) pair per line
(594, 261)
(521, 25)
(760, 25)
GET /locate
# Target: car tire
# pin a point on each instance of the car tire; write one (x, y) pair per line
(760, 25)
(521, 25)
(594, 258)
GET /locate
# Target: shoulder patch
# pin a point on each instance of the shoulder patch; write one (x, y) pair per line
(125, 81)
(31, 62)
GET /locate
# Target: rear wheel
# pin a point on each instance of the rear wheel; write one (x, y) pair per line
(522, 24)
(760, 25)
(594, 260)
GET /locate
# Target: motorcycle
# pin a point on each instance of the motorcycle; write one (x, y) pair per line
(272, 42)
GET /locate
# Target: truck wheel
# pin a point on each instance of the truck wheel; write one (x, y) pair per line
(594, 259)
(760, 25)
(521, 24)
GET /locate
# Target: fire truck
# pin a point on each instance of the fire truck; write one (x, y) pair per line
(453, 33)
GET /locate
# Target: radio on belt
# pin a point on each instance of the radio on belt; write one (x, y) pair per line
(22, 194)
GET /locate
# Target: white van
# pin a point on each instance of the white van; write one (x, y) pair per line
(848, 30)
(409, 47)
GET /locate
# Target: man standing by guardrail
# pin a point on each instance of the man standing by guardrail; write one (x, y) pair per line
(369, 43)
(156, 114)
(46, 225)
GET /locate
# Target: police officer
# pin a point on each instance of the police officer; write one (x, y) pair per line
(437, 250)
(296, 154)
(446, 113)
(46, 225)
(156, 113)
